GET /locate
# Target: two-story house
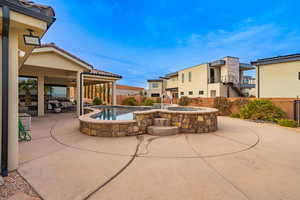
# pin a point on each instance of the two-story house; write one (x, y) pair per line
(223, 77)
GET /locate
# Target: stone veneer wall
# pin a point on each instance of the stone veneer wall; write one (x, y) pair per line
(188, 122)
(109, 129)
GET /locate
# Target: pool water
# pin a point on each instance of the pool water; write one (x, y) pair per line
(117, 113)
(126, 113)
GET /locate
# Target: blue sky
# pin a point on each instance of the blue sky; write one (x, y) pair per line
(144, 39)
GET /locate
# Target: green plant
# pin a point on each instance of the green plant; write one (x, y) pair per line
(287, 123)
(239, 103)
(148, 102)
(235, 115)
(261, 110)
(184, 101)
(130, 101)
(97, 101)
(223, 105)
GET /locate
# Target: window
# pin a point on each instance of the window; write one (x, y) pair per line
(190, 76)
(181, 93)
(155, 95)
(201, 92)
(190, 92)
(155, 85)
(182, 77)
(298, 75)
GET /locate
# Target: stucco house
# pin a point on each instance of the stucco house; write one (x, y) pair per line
(278, 77)
(224, 77)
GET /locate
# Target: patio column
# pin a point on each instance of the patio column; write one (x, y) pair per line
(114, 94)
(68, 92)
(107, 93)
(13, 96)
(80, 93)
(101, 93)
(104, 93)
(41, 99)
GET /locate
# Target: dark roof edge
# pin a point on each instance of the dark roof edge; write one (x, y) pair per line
(29, 11)
(96, 72)
(154, 80)
(277, 59)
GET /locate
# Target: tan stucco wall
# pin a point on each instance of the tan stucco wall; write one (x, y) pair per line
(13, 96)
(172, 82)
(279, 80)
(198, 82)
(53, 61)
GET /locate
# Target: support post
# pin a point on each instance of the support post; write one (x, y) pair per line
(114, 94)
(79, 96)
(41, 99)
(4, 92)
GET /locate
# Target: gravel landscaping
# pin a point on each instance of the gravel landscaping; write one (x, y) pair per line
(15, 187)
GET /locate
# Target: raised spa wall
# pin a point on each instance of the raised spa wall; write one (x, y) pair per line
(202, 121)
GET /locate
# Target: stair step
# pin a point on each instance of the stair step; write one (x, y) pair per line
(163, 130)
(162, 122)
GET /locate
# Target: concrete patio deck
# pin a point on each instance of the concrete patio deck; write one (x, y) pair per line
(242, 160)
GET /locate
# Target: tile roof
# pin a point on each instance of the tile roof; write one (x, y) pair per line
(47, 10)
(127, 87)
(103, 73)
(29, 8)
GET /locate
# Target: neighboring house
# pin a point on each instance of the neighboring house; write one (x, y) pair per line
(248, 86)
(155, 87)
(278, 76)
(128, 90)
(223, 77)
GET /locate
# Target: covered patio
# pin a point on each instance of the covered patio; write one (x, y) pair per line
(53, 67)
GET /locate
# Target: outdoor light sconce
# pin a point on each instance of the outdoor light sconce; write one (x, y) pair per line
(31, 39)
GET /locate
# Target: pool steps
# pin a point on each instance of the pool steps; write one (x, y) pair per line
(162, 127)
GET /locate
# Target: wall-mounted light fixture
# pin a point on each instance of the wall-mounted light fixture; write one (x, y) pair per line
(31, 39)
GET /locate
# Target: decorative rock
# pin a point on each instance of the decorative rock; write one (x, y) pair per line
(1, 181)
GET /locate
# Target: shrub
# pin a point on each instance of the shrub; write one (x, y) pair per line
(239, 103)
(287, 123)
(148, 102)
(97, 101)
(184, 101)
(223, 105)
(235, 115)
(261, 110)
(130, 101)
